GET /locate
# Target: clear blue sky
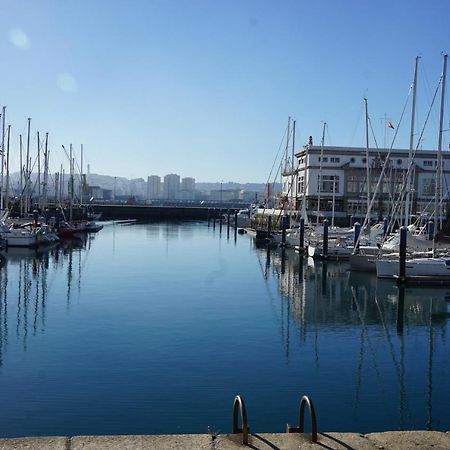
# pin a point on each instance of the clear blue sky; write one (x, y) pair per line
(204, 88)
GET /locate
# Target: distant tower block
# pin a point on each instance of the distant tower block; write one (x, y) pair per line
(171, 186)
(153, 187)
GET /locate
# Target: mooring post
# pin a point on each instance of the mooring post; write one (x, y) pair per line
(209, 216)
(214, 218)
(300, 267)
(302, 234)
(269, 225)
(430, 230)
(385, 226)
(283, 260)
(220, 220)
(325, 238)
(228, 222)
(402, 259)
(356, 235)
(283, 230)
(400, 309)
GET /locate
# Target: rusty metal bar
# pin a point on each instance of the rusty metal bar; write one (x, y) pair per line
(305, 401)
(245, 430)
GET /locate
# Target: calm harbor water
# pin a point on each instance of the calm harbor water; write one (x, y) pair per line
(154, 328)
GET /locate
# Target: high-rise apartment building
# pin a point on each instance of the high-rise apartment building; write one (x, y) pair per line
(153, 187)
(188, 184)
(171, 186)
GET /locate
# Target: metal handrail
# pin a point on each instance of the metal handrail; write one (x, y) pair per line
(301, 420)
(245, 430)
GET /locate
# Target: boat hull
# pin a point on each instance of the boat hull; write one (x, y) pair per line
(418, 267)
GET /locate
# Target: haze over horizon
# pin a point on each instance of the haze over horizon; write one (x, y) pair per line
(204, 89)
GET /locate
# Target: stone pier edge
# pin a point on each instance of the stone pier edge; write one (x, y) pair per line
(435, 440)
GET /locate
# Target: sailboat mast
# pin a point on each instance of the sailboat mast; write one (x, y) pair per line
(439, 161)
(21, 175)
(3, 158)
(333, 201)
(319, 190)
(39, 168)
(81, 175)
(70, 184)
(305, 184)
(293, 168)
(28, 167)
(408, 205)
(7, 166)
(367, 160)
(45, 185)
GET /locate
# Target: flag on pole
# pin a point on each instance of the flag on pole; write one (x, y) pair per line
(389, 124)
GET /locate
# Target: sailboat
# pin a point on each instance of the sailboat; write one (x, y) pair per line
(364, 257)
(435, 267)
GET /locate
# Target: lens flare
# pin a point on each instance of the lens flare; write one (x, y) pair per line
(66, 82)
(18, 38)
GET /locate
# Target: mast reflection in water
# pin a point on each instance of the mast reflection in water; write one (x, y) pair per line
(153, 328)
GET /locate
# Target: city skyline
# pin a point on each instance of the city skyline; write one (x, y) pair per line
(206, 88)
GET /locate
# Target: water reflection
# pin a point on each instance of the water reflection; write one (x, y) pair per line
(319, 297)
(158, 341)
(23, 295)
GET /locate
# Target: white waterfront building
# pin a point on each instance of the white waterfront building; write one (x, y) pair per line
(338, 175)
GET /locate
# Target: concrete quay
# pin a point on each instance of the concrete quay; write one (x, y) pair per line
(258, 441)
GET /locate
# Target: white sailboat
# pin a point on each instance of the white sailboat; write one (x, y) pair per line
(433, 267)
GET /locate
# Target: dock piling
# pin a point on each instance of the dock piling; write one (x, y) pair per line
(269, 225)
(385, 226)
(356, 235)
(302, 234)
(325, 238)
(283, 230)
(430, 230)
(402, 258)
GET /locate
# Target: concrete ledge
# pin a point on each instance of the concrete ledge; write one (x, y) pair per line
(397, 440)
(410, 439)
(36, 443)
(169, 442)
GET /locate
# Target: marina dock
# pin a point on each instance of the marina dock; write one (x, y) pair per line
(397, 440)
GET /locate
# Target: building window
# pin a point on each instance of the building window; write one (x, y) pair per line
(324, 159)
(327, 183)
(352, 184)
(428, 163)
(399, 161)
(335, 159)
(301, 184)
(364, 160)
(429, 186)
(352, 160)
